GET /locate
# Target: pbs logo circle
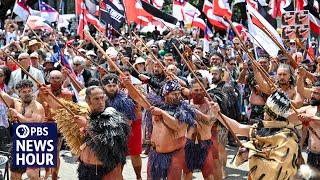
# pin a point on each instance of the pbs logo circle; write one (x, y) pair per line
(22, 131)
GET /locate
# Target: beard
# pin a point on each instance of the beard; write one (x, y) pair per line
(174, 102)
(55, 87)
(314, 102)
(197, 98)
(283, 82)
(111, 94)
(215, 81)
(27, 98)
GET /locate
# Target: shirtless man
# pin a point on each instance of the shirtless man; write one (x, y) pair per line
(24, 110)
(257, 99)
(285, 82)
(311, 117)
(200, 153)
(100, 156)
(55, 86)
(169, 127)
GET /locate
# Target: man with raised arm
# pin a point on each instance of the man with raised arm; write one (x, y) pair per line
(24, 110)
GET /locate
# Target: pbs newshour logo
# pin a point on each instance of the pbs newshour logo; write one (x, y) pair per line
(34, 145)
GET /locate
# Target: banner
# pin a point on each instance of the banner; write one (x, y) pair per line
(34, 145)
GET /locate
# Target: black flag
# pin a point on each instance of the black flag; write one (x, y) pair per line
(158, 13)
(111, 14)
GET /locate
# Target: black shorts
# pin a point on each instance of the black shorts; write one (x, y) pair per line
(91, 172)
(314, 159)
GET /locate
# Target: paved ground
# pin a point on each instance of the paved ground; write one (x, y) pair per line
(69, 166)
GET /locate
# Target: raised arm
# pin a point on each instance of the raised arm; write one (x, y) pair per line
(8, 99)
(137, 96)
(170, 121)
(263, 85)
(304, 92)
(237, 128)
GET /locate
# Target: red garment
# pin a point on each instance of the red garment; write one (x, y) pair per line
(135, 138)
(177, 165)
(214, 139)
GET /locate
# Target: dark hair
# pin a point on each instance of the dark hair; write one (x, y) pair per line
(23, 84)
(228, 59)
(168, 54)
(7, 74)
(199, 48)
(93, 82)
(217, 54)
(108, 78)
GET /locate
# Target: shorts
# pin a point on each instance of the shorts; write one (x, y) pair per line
(135, 138)
(314, 160)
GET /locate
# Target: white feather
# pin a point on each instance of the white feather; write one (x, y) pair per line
(306, 172)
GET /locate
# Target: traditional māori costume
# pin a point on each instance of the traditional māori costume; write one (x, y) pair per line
(198, 155)
(106, 136)
(160, 165)
(125, 105)
(273, 146)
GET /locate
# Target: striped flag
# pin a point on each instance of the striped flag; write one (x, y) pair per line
(21, 9)
(215, 20)
(48, 12)
(85, 18)
(256, 22)
(222, 8)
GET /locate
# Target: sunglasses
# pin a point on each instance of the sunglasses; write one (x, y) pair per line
(232, 64)
(76, 64)
(1, 75)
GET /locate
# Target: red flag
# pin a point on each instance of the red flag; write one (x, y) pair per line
(85, 18)
(21, 9)
(222, 8)
(215, 20)
(135, 13)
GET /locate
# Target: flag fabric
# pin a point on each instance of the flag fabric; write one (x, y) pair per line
(206, 40)
(143, 13)
(21, 9)
(199, 23)
(78, 8)
(37, 23)
(256, 22)
(111, 14)
(158, 13)
(157, 3)
(215, 20)
(135, 13)
(184, 11)
(85, 18)
(92, 6)
(278, 7)
(222, 8)
(314, 15)
(34, 12)
(48, 12)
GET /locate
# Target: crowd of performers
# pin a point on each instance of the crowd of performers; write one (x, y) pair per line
(183, 104)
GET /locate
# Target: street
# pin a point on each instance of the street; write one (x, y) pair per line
(68, 169)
